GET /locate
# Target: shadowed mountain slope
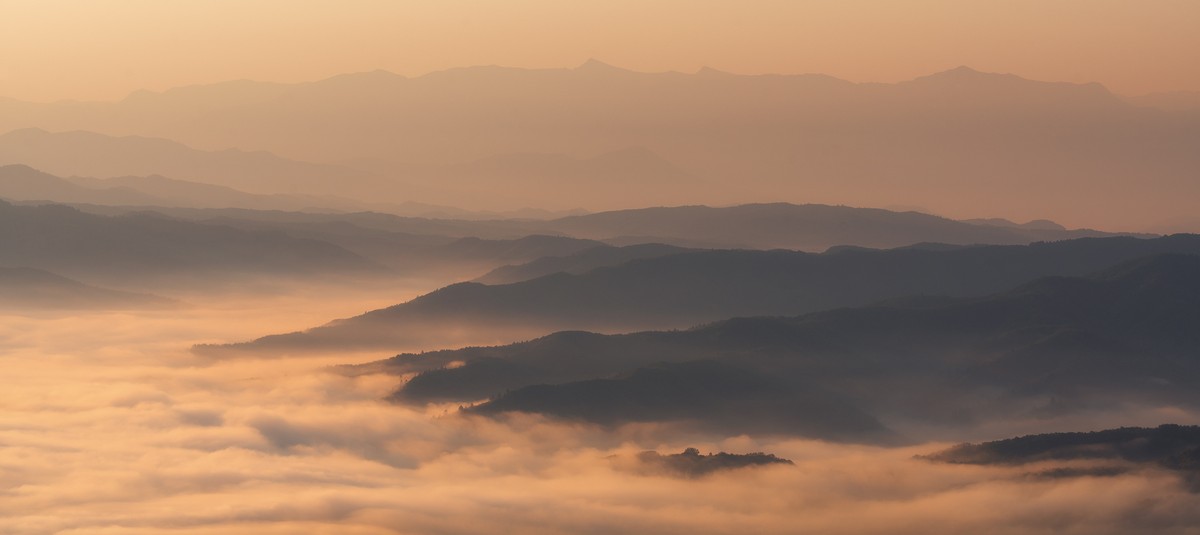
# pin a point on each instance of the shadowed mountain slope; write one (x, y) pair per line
(1052, 346)
(1174, 447)
(578, 263)
(679, 290)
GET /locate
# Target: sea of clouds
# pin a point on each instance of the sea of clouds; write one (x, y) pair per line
(108, 424)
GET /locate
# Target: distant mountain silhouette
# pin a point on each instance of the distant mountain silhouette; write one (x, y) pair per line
(1174, 447)
(138, 247)
(1055, 345)
(24, 289)
(809, 227)
(680, 290)
(766, 226)
(955, 139)
(90, 154)
(23, 183)
(1039, 224)
(466, 249)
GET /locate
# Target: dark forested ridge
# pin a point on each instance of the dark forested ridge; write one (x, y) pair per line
(1174, 447)
(1051, 346)
(690, 463)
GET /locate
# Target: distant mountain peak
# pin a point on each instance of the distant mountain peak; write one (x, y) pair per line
(597, 66)
(18, 168)
(709, 71)
(963, 70)
(963, 73)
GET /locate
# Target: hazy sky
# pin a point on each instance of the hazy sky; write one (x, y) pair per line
(94, 49)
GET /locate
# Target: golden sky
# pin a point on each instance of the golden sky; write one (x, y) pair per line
(94, 49)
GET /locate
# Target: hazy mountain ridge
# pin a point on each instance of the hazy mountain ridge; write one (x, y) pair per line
(83, 153)
(578, 263)
(19, 182)
(24, 289)
(143, 246)
(977, 138)
(808, 227)
(681, 290)
(811, 227)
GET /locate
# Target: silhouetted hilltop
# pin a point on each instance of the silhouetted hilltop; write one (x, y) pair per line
(1174, 447)
(690, 463)
(34, 289)
(684, 289)
(1053, 346)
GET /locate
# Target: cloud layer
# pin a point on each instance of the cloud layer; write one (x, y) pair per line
(108, 425)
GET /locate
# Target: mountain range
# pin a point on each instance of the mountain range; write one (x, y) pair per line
(954, 139)
(680, 290)
(1057, 345)
(140, 247)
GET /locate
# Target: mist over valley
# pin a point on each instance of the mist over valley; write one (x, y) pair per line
(381, 268)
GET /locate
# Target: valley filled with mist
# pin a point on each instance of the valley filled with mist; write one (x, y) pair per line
(592, 299)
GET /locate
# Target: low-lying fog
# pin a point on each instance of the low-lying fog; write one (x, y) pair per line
(109, 425)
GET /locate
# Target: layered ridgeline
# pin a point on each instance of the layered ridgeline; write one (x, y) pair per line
(139, 171)
(681, 290)
(91, 154)
(810, 227)
(28, 289)
(139, 248)
(493, 137)
(20, 182)
(1055, 346)
(577, 244)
